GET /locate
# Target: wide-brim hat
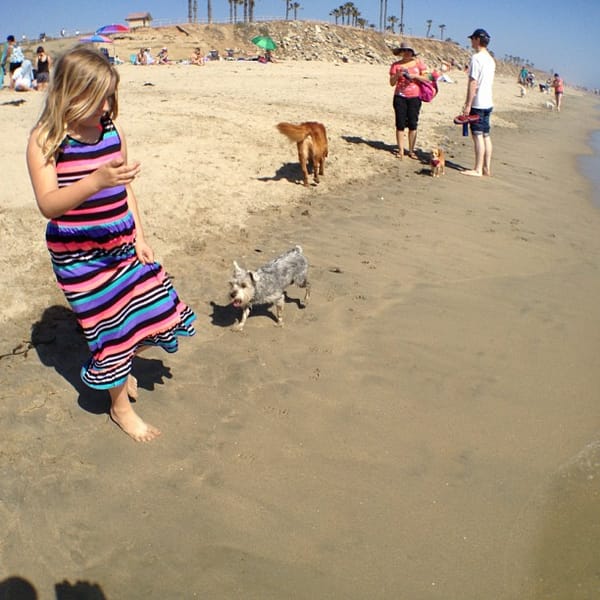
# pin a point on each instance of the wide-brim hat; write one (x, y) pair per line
(402, 47)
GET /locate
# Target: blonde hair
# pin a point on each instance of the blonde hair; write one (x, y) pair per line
(80, 82)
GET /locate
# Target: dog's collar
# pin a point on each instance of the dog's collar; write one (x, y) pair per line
(435, 162)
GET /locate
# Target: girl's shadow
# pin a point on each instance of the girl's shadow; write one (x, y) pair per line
(59, 343)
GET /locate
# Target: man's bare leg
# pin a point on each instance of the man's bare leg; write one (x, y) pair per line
(487, 155)
(479, 147)
(127, 419)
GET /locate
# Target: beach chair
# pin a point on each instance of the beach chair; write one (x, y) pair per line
(213, 55)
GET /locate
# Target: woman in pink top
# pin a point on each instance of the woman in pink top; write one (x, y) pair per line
(405, 74)
(559, 88)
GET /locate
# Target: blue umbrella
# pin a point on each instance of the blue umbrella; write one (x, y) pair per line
(96, 39)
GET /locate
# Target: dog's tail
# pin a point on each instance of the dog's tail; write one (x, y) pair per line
(296, 133)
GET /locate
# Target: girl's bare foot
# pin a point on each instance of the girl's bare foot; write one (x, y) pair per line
(132, 387)
(128, 420)
(471, 173)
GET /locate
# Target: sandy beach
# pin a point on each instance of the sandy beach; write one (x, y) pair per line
(426, 428)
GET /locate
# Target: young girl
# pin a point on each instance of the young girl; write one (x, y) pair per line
(123, 300)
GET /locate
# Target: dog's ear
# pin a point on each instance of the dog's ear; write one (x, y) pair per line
(236, 268)
(254, 276)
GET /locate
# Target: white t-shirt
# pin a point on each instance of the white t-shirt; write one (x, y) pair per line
(482, 70)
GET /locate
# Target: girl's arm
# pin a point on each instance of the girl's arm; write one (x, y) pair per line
(144, 252)
(54, 201)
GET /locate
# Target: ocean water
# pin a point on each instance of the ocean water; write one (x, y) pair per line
(590, 166)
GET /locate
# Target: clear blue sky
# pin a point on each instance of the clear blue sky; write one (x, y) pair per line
(554, 35)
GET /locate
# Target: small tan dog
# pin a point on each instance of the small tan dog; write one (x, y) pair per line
(438, 162)
(311, 139)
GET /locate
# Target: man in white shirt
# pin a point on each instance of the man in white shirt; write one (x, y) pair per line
(479, 102)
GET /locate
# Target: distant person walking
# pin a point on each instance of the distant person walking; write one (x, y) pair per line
(559, 88)
(481, 71)
(15, 57)
(3, 57)
(405, 75)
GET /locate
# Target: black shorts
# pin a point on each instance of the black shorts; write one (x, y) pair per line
(407, 112)
(12, 67)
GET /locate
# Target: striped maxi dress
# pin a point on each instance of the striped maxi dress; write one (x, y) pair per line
(120, 303)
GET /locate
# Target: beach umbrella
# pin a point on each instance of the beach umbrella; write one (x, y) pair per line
(96, 39)
(114, 28)
(264, 42)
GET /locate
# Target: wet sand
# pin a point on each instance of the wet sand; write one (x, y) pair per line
(426, 428)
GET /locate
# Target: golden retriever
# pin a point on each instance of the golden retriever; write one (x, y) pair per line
(311, 138)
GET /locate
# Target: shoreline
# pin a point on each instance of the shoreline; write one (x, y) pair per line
(426, 426)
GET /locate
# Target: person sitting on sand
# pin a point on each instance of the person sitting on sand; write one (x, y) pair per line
(197, 58)
(162, 57)
(150, 60)
(140, 57)
(22, 78)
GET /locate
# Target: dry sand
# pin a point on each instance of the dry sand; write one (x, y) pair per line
(426, 428)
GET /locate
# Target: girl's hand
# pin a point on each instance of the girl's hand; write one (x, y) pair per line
(144, 252)
(116, 172)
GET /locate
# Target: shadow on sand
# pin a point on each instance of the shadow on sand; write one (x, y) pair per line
(289, 171)
(18, 588)
(59, 343)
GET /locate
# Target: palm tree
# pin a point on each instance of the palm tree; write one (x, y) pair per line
(336, 13)
(384, 12)
(287, 9)
(392, 20)
(381, 15)
(208, 10)
(295, 6)
(189, 11)
(250, 10)
(401, 17)
(348, 11)
(429, 24)
(236, 3)
(362, 23)
(442, 27)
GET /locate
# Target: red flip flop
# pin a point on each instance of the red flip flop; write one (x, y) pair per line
(462, 119)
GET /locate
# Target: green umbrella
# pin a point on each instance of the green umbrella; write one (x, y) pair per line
(264, 42)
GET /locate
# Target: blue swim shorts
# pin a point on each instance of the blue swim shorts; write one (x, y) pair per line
(481, 127)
